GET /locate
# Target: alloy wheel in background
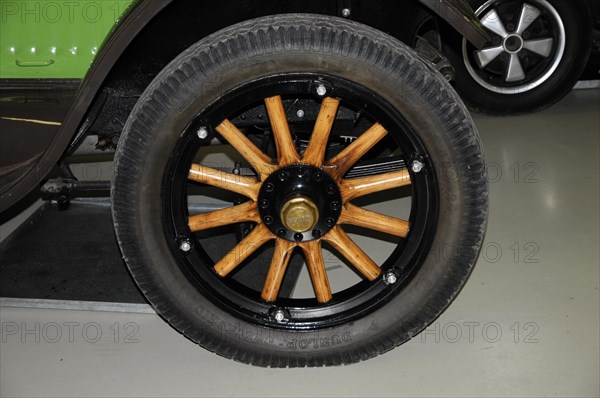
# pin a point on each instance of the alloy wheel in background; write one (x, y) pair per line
(538, 51)
(528, 44)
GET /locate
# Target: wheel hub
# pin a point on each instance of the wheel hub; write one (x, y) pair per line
(513, 44)
(299, 214)
(299, 203)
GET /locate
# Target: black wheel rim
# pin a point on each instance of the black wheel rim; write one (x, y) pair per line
(349, 304)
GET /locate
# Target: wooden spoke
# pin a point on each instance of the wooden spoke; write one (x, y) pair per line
(315, 152)
(259, 161)
(340, 164)
(258, 237)
(281, 258)
(246, 212)
(357, 187)
(363, 263)
(316, 267)
(246, 186)
(286, 150)
(354, 215)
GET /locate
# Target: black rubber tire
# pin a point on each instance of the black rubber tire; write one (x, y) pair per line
(578, 28)
(281, 44)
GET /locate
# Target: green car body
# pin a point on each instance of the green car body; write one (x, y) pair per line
(54, 40)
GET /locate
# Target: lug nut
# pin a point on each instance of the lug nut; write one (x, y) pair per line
(202, 133)
(319, 177)
(390, 278)
(264, 204)
(279, 315)
(346, 12)
(330, 221)
(300, 113)
(335, 206)
(321, 90)
(269, 187)
(330, 189)
(269, 220)
(185, 246)
(298, 237)
(237, 168)
(317, 233)
(417, 166)
(281, 232)
(283, 175)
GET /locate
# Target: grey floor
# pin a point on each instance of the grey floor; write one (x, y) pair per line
(526, 324)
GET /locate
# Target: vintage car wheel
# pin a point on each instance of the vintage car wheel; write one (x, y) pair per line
(299, 199)
(539, 49)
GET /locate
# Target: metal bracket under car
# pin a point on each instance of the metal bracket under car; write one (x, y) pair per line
(462, 18)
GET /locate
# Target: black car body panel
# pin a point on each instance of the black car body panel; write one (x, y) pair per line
(153, 33)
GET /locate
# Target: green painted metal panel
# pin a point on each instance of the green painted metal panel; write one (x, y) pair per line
(54, 39)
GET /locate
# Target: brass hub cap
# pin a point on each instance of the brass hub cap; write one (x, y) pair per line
(299, 203)
(299, 214)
